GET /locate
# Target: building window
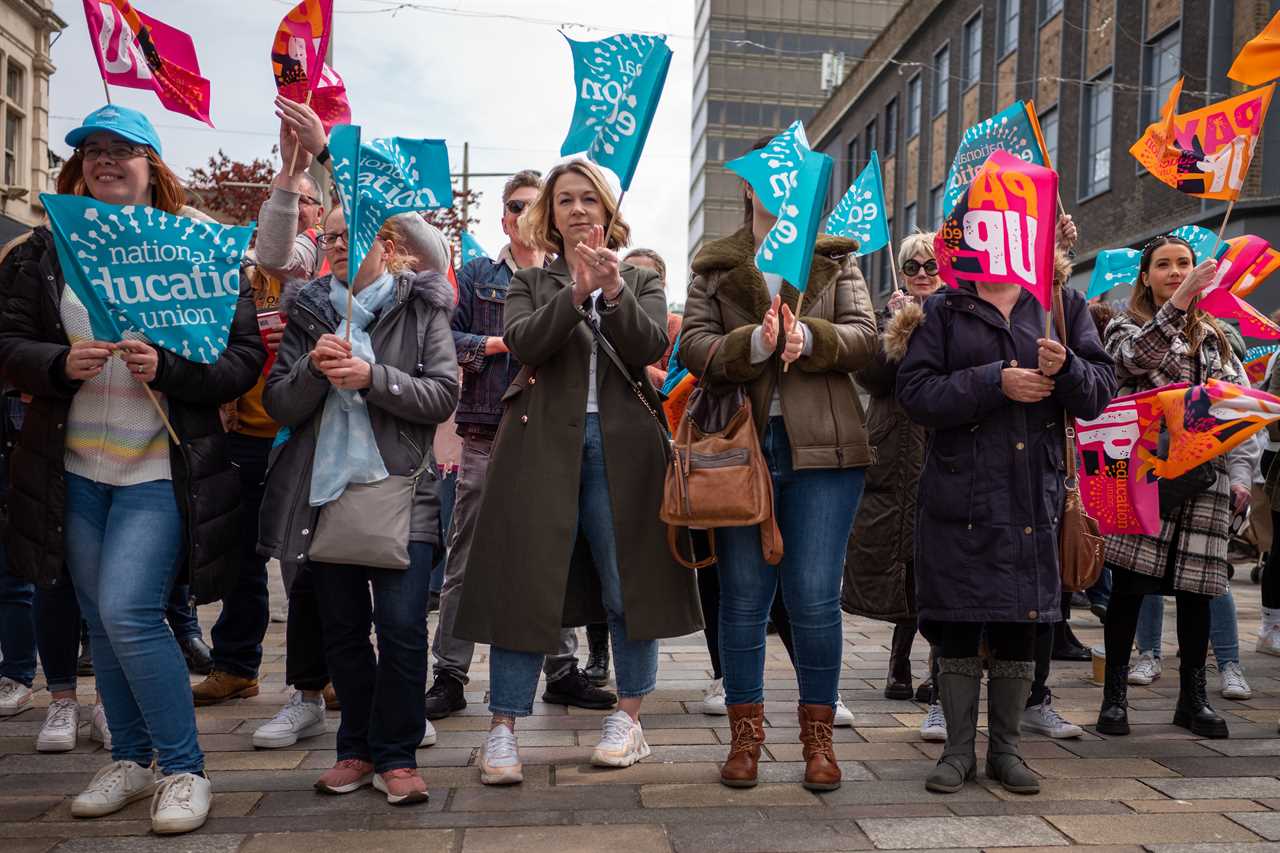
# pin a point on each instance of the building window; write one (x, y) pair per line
(941, 79)
(891, 128)
(972, 70)
(935, 207)
(1049, 8)
(14, 88)
(1095, 146)
(909, 215)
(1049, 129)
(914, 106)
(1161, 59)
(872, 139)
(1009, 16)
(852, 154)
(12, 146)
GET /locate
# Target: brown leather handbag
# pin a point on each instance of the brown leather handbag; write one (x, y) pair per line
(718, 476)
(1079, 538)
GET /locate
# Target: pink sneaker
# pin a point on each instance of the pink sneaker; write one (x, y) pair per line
(403, 786)
(350, 774)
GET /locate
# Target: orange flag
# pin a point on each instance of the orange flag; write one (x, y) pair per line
(1205, 421)
(1207, 151)
(1259, 60)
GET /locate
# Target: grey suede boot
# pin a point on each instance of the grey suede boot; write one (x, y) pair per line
(1008, 687)
(959, 681)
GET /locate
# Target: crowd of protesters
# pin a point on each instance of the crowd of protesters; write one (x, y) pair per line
(937, 510)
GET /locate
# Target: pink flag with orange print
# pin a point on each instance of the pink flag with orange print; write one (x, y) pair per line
(1117, 478)
(298, 52)
(1251, 268)
(1205, 421)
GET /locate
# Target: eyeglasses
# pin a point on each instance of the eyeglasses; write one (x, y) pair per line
(913, 267)
(516, 206)
(115, 151)
(328, 241)
(306, 199)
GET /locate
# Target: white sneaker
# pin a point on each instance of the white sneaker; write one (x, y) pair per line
(934, 727)
(1231, 682)
(98, 729)
(844, 717)
(621, 743)
(1146, 670)
(61, 723)
(500, 758)
(114, 787)
(428, 736)
(1268, 642)
(299, 718)
(1042, 719)
(713, 699)
(181, 804)
(14, 697)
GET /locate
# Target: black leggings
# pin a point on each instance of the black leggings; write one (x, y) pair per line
(1270, 574)
(1193, 627)
(1015, 641)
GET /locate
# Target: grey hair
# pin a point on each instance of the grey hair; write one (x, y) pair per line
(658, 262)
(919, 243)
(424, 241)
(313, 188)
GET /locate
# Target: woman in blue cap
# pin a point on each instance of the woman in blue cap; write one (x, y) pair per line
(98, 486)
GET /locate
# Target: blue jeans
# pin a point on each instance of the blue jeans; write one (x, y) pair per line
(383, 715)
(1100, 592)
(1224, 634)
(815, 509)
(17, 628)
(513, 676)
(179, 613)
(123, 546)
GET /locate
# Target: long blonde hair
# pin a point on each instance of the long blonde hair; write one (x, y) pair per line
(538, 225)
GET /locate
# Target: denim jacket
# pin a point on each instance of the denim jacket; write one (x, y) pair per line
(482, 298)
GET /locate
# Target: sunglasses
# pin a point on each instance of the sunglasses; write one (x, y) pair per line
(913, 267)
(516, 206)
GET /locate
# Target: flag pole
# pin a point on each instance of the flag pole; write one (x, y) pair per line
(164, 416)
(298, 143)
(1222, 229)
(799, 305)
(107, 89)
(614, 218)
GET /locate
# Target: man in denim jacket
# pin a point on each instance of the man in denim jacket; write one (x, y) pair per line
(487, 370)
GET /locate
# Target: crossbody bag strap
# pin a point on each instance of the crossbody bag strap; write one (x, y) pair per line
(1068, 422)
(636, 385)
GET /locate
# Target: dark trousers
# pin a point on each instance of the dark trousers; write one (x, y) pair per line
(237, 635)
(304, 665)
(180, 615)
(383, 715)
(17, 626)
(57, 623)
(1193, 627)
(1270, 574)
(1012, 641)
(448, 494)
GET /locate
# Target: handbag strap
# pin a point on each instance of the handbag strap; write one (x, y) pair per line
(1068, 422)
(636, 385)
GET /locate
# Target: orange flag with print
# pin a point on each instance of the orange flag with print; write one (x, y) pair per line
(1155, 149)
(1259, 60)
(1205, 421)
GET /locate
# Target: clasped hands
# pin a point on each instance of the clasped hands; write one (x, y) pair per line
(780, 319)
(332, 357)
(595, 267)
(86, 359)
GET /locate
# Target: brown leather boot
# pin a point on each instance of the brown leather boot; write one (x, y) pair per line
(746, 725)
(821, 773)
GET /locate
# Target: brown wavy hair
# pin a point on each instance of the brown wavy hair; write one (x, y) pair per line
(538, 225)
(1142, 303)
(167, 193)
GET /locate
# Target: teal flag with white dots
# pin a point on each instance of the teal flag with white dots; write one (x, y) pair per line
(618, 83)
(173, 279)
(772, 170)
(471, 248)
(1113, 267)
(860, 215)
(787, 248)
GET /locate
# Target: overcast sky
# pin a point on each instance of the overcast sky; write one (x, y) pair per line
(505, 84)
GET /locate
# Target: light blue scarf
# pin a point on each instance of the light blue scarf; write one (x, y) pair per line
(346, 450)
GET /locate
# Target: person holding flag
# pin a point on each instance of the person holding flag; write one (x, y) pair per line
(980, 373)
(736, 333)
(1160, 339)
(100, 488)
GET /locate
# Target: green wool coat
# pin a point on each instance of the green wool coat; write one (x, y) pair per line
(529, 571)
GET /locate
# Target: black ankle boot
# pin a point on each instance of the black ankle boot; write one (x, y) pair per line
(898, 684)
(1193, 711)
(1113, 718)
(597, 668)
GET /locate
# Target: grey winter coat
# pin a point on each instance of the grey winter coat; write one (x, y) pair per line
(415, 387)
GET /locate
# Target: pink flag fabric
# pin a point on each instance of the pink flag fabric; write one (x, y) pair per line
(1117, 449)
(329, 100)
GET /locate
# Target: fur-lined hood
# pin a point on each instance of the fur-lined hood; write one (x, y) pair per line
(431, 287)
(897, 332)
(739, 280)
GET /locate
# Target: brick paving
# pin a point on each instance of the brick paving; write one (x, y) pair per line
(1159, 789)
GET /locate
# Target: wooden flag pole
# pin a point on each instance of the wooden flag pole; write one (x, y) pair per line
(614, 218)
(1213, 253)
(164, 416)
(799, 305)
(106, 89)
(297, 143)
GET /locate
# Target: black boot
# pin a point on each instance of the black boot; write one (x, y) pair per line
(573, 689)
(198, 656)
(84, 664)
(1193, 711)
(597, 668)
(445, 696)
(1113, 717)
(898, 685)
(1066, 646)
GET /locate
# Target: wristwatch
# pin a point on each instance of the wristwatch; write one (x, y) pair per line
(323, 156)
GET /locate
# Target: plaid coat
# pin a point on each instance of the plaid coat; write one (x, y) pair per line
(1149, 356)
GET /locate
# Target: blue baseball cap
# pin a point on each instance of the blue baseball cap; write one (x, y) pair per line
(122, 121)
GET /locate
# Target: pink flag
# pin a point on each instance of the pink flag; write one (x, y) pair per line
(140, 52)
(329, 100)
(300, 46)
(1221, 302)
(1117, 451)
(1241, 254)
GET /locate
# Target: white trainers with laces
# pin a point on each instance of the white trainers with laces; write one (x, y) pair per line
(98, 729)
(428, 736)
(844, 717)
(299, 718)
(1268, 641)
(621, 743)
(713, 699)
(934, 727)
(1146, 670)
(61, 724)
(500, 758)
(180, 804)
(14, 697)
(1231, 682)
(1043, 719)
(114, 787)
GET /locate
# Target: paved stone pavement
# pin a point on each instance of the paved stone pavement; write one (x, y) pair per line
(1159, 789)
